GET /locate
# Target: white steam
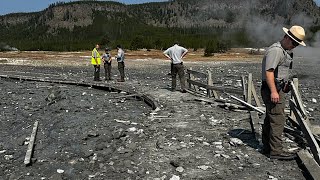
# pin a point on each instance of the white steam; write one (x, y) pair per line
(5, 47)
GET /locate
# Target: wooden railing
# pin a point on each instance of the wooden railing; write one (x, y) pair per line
(300, 118)
(197, 79)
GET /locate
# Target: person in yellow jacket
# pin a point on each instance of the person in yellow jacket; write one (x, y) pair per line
(96, 61)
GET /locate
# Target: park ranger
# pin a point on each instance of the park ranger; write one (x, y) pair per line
(275, 74)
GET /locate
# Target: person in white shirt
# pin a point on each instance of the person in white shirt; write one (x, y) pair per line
(120, 60)
(175, 54)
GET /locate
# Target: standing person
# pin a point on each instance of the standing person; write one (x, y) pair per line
(106, 58)
(96, 61)
(120, 60)
(175, 54)
(275, 73)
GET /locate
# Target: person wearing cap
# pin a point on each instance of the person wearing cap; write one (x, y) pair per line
(175, 54)
(106, 58)
(276, 64)
(96, 61)
(120, 60)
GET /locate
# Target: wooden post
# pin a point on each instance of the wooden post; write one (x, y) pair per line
(249, 88)
(296, 84)
(254, 122)
(211, 92)
(210, 83)
(31, 143)
(243, 80)
(189, 77)
(255, 96)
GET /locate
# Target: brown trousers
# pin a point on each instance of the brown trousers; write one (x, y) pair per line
(107, 71)
(274, 121)
(177, 69)
(121, 70)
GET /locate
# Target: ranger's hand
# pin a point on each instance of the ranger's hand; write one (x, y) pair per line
(275, 97)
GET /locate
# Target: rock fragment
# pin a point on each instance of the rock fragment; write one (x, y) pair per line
(180, 169)
(174, 177)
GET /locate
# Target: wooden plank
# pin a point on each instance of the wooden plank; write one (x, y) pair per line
(249, 99)
(296, 85)
(27, 158)
(222, 89)
(311, 165)
(255, 126)
(243, 81)
(307, 132)
(297, 99)
(247, 104)
(198, 74)
(195, 93)
(255, 96)
(210, 101)
(225, 89)
(298, 102)
(197, 83)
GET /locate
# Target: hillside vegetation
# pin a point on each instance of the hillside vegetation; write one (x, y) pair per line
(220, 24)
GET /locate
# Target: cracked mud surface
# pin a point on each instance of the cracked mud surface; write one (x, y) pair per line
(86, 133)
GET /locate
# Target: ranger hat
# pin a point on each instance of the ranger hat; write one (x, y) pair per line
(296, 33)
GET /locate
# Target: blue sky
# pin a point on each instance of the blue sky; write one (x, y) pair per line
(14, 6)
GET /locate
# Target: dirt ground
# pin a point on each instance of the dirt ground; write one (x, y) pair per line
(87, 133)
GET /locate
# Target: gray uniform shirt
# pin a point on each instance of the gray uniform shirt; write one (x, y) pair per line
(106, 57)
(120, 55)
(175, 52)
(278, 59)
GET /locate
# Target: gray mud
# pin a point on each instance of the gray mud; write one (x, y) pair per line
(85, 133)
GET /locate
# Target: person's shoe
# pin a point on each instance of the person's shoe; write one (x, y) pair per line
(264, 151)
(283, 156)
(173, 89)
(183, 91)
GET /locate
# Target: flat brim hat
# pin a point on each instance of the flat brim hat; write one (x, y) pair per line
(296, 33)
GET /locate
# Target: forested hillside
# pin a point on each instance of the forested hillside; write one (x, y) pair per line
(194, 23)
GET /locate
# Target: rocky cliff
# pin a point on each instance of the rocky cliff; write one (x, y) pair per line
(176, 13)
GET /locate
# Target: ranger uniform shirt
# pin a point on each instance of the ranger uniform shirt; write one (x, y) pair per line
(278, 59)
(106, 57)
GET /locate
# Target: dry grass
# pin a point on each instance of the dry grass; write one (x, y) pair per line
(233, 54)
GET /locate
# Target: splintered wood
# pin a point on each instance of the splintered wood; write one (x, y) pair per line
(27, 159)
(310, 164)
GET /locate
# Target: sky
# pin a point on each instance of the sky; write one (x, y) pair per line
(15, 6)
